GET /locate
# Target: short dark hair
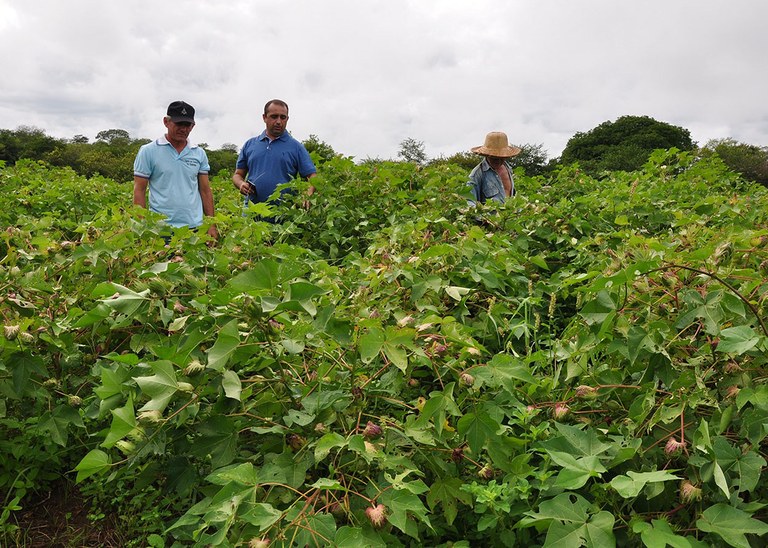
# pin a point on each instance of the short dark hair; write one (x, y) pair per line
(275, 102)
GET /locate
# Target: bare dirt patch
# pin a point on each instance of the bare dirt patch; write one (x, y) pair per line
(59, 518)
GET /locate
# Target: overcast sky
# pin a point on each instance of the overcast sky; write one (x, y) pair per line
(363, 75)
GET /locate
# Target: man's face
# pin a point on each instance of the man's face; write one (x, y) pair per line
(495, 161)
(276, 120)
(178, 132)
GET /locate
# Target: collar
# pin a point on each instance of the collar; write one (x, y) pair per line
(264, 137)
(164, 141)
(485, 166)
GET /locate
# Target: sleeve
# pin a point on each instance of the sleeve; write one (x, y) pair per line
(205, 167)
(475, 184)
(306, 166)
(142, 166)
(242, 161)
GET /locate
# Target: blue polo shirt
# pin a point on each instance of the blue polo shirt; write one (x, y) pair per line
(173, 184)
(272, 163)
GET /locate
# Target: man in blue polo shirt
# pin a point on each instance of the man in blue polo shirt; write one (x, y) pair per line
(272, 158)
(176, 173)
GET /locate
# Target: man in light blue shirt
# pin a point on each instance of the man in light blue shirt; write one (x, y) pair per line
(492, 178)
(272, 158)
(176, 173)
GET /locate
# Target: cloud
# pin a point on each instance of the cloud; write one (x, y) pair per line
(364, 76)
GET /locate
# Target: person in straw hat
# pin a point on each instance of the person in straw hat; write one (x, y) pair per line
(492, 179)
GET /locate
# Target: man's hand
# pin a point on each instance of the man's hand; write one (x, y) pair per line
(305, 203)
(213, 233)
(246, 189)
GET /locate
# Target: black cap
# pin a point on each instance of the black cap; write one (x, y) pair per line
(179, 111)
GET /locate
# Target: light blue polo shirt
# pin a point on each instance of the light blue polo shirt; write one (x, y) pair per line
(173, 185)
(271, 163)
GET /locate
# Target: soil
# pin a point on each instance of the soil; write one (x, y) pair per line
(59, 519)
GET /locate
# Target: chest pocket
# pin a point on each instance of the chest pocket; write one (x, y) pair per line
(492, 190)
(191, 167)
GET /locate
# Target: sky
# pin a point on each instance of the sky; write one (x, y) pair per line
(364, 75)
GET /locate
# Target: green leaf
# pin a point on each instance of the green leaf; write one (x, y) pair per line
(629, 486)
(23, 366)
(121, 298)
(540, 261)
(731, 524)
(264, 275)
(737, 340)
(504, 370)
(310, 529)
(303, 293)
(232, 385)
(455, 292)
(261, 515)
(355, 537)
(329, 441)
(397, 340)
(371, 344)
(748, 467)
(328, 485)
(226, 343)
(401, 504)
(447, 492)
(123, 422)
(565, 507)
(578, 442)
(659, 533)
(111, 381)
(570, 523)
(576, 471)
(244, 474)
(216, 440)
(477, 428)
(57, 423)
(720, 479)
(95, 462)
(621, 220)
(160, 387)
(294, 416)
(598, 309)
(293, 346)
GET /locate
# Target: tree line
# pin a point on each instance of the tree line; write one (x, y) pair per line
(621, 145)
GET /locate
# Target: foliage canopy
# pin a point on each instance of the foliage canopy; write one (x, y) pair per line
(624, 144)
(390, 367)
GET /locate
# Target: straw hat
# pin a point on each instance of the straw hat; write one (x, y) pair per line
(496, 144)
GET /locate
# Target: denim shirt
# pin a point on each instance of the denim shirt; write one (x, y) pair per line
(486, 184)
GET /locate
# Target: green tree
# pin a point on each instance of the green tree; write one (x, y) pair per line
(623, 145)
(26, 142)
(532, 158)
(113, 137)
(223, 161)
(412, 150)
(749, 160)
(466, 160)
(321, 149)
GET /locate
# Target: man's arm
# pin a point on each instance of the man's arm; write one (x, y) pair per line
(206, 195)
(475, 184)
(238, 179)
(140, 185)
